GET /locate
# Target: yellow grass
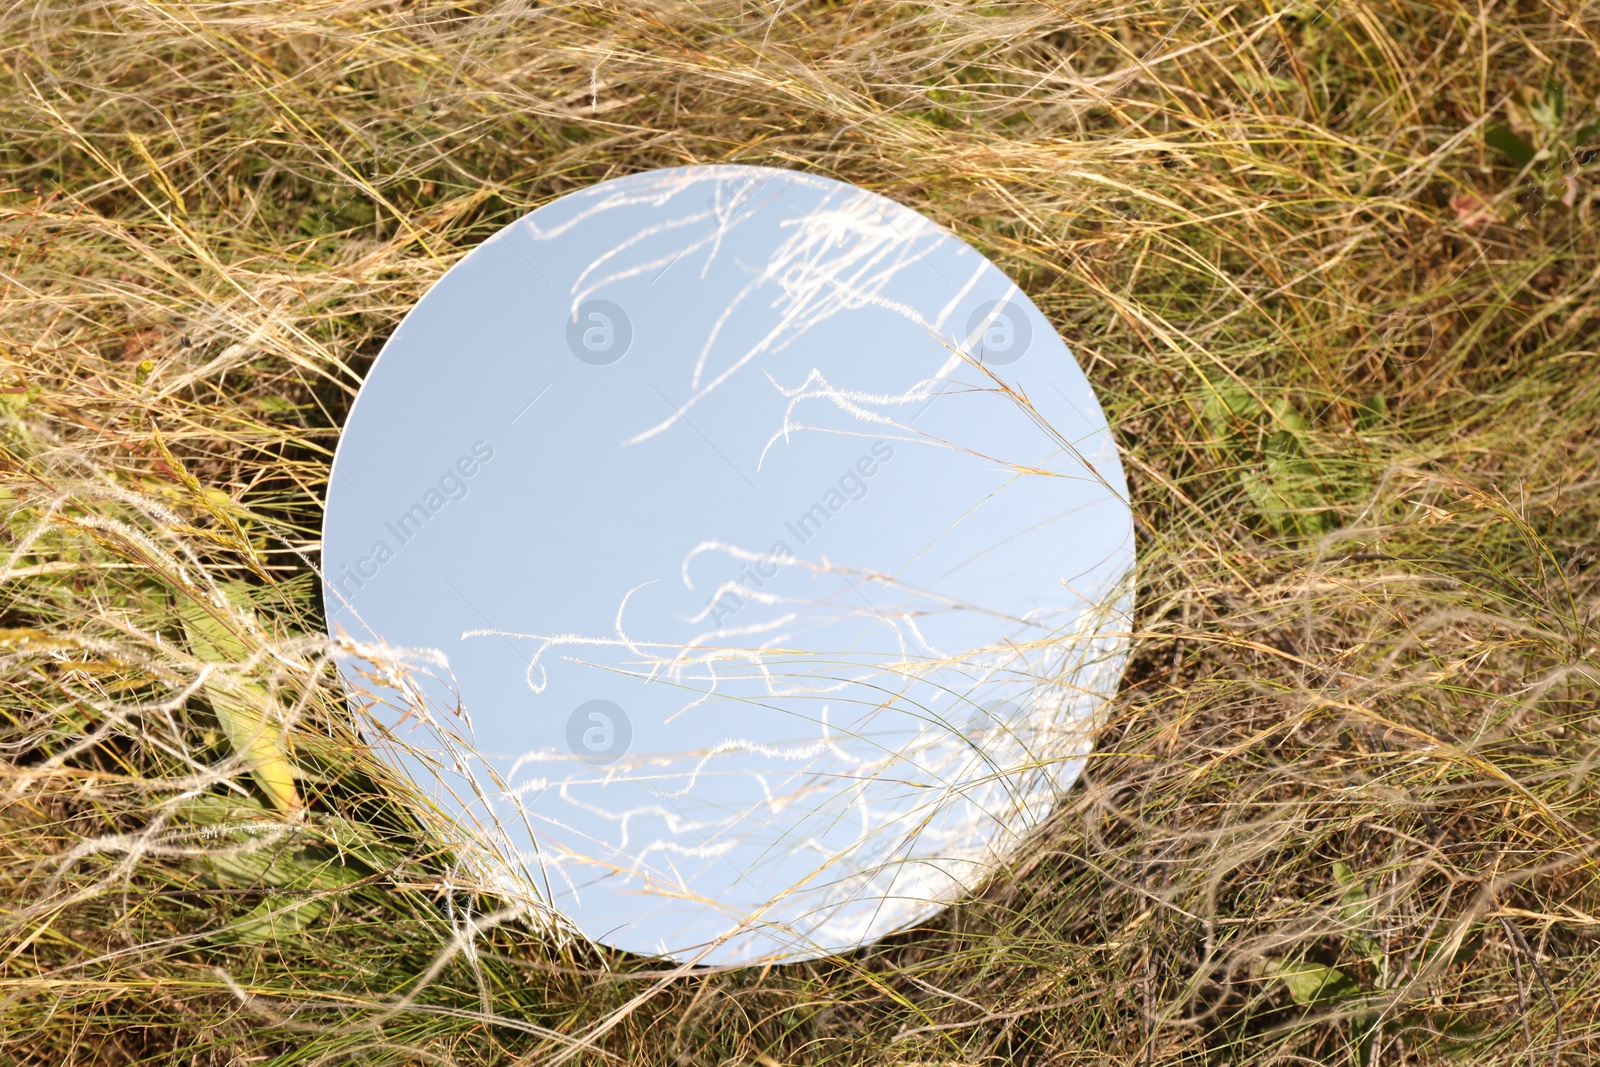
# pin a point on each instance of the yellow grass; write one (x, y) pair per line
(1346, 807)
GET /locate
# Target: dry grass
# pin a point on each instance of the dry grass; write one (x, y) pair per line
(1349, 348)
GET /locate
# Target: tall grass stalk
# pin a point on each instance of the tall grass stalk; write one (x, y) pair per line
(1344, 808)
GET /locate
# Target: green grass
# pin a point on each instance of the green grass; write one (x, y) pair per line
(1345, 809)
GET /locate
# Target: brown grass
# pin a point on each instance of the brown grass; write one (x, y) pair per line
(1348, 345)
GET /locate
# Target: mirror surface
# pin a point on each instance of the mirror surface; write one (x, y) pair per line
(741, 557)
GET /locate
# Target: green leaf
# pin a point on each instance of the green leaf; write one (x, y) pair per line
(1229, 409)
(293, 873)
(273, 405)
(1357, 903)
(1255, 82)
(245, 709)
(1585, 150)
(1359, 910)
(1288, 492)
(302, 876)
(1361, 1037)
(13, 398)
(1312, 985)
(1549, 108)
(1267, 442)
(1502, 139)
(1309, 14)
(275, 919)
(1372, 412)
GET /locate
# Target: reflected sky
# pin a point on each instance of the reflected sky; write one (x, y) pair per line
(759, 554)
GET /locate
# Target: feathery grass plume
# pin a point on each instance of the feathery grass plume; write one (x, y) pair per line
(1342, 811)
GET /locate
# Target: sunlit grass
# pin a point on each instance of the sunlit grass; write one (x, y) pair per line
(1345, 807)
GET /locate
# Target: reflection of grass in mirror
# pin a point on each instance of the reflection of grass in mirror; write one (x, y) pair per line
(947, 783)
(1341, 810)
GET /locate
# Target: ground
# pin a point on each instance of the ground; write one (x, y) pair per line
(1333, 269)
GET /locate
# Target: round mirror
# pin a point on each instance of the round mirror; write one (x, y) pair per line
(739, 556)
